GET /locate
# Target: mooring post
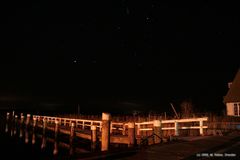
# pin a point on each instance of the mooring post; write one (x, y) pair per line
(28, 119)
(8, 115)
(72, 134)
(93, 137)
(34, 122)
(56, 128)
(7, 118)
(44, 132)
(22, 119)
(34, 126)
(105, 131)
(157, 131)
(55, 150)
(176, 128)
(44, 125)
(131, 134)
(94, 133)
(13, 114)
(201, 127)
(15, 125)
(72, 130)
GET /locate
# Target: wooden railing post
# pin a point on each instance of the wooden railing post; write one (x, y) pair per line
(105, 131)
(34, 122)
(28, 119)
(55, 149)
(16, 118)
(72, 134)
(34, 127)
(44, 132)
(7, 121)
(56, 128)
(22, 119)
(176, 128)
(93, 137)
(157, 131)
(13, 114)
(131, 134)
(201, 127)
(124, 129)
(8, 116)
(138, 130)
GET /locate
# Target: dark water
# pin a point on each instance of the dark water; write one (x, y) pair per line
(16, 143)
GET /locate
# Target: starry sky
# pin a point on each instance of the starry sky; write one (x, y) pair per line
(151, 52)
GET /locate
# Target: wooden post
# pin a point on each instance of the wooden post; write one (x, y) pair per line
(111, 128)
(55, 150)
(138, 130)
(28, 119)
(34, 126)
(44, 132)
(13, 114)
(7, 118)
(64, 123)
(44, 125)
(94, 134)
(124, 129)
(72, 134)
(56, 128)
(83, 125)
(8, 115)
(15, 125)
(22, 119)
(131, 134)
(201, 127)
(93, 137)
(105, 131)
(16, 118)
(34, 122)
(176, 128)
(157, 131)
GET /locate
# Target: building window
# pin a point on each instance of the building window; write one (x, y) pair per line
(236, 113)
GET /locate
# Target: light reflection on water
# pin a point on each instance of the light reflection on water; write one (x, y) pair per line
(39, 138)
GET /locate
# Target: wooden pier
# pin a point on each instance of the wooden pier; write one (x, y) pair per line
(107, 132)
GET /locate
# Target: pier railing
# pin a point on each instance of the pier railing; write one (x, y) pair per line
(175, 124)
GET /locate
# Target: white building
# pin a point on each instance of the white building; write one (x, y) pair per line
(232, 98)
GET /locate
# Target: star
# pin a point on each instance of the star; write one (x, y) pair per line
(148, 19)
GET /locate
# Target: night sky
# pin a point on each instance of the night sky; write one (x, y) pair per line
(118, 52)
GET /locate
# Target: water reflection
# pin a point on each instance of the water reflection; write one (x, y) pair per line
(55, 150)
(26, 135)
(33, 137)
(43, 145)
(30, 134)
(21, 131)
(6, 128)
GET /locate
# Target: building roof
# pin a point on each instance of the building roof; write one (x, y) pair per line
(233, 94)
